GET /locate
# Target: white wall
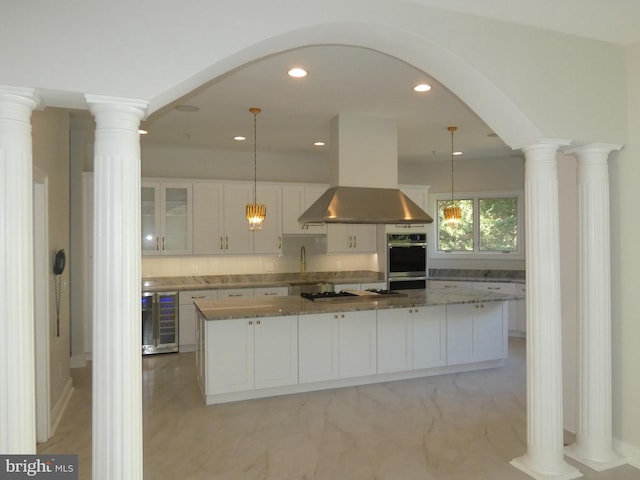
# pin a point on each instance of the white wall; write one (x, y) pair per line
(51, 156)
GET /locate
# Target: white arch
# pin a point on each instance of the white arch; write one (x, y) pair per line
(472, 87)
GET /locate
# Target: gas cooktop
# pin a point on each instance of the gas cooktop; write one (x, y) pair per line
(351, 294)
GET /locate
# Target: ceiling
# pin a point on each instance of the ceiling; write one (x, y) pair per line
(297, 112)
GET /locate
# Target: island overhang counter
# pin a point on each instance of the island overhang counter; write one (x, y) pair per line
(250, 348)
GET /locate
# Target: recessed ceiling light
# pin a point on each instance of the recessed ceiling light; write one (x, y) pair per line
(297, 72)
(457, 153)
(319, 144)
(142, 131)
(239, 138)
(187, 108)
(423, 87)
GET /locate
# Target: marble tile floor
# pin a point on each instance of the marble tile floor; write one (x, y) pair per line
(449, 427)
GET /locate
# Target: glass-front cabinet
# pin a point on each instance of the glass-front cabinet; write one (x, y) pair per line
(166, 219)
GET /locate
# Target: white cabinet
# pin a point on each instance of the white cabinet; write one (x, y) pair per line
(295, 200)
(359, 286)
(429, 337)
(235, 292)
(450, 284)
(219, 217)
(351, 238)
(318, 346)
(244, 354)
(269, 239)
(270, 292)
(476, 332)
(518, 313)
(395, 340)
(412, 338)
(336, 345)
(166, 220)
(357, 344)
(420, 196)
(187, 326)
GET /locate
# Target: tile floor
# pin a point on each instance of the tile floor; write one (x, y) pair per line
(449, 427)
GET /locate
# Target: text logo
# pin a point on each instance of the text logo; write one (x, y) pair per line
(51, 467)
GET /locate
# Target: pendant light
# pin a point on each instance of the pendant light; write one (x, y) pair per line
(256, 212)
(452, 213)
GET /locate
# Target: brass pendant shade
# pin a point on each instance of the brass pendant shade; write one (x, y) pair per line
(452, 213)
(256, 212)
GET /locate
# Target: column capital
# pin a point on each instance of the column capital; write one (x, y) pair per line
(25, 96)
(542, 144)
(136, 106)
(602, 149)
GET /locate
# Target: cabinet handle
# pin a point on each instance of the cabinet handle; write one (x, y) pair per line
(335, 315)
(221, 243)
(258, 322)
(157, 242)
(355, 241)
(250, 322)
(494, 288)
(195, 298)
(410, 311)
(270, 293)
(279, 242)
(226, 243)
(235, 294)
(342, 315)
(162, 243)
(449, 286)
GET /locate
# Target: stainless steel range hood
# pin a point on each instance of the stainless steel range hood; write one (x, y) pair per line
(364, 176)
(364, 205)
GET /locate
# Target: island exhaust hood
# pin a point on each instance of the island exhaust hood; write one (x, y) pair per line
(364, 176)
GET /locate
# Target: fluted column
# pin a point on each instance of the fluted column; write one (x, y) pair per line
(17, 374)
(117, 387)
(544, 458)
(594, 442)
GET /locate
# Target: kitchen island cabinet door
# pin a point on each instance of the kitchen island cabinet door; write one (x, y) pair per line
(490, 331)
(460, 334)
(429, 337)
(229, 355)
(358, 344)
(276, 351)
(319, 354)
(395, 344)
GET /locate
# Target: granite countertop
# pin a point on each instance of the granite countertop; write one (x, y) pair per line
(205, 282)
(469, 275)
(231, 308)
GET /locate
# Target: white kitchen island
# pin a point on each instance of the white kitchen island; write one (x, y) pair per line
(250, 348)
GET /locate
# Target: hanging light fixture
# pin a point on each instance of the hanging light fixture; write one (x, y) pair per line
(256, 212)
(452, 213)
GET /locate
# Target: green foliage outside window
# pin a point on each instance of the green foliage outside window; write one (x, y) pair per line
(456, 236)
(497, 225)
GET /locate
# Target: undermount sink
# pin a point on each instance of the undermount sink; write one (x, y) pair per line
(296, 288)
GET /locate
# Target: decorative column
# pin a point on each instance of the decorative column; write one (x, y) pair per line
(544, 458)
(594, 440)
(17, 370)
(117, 364)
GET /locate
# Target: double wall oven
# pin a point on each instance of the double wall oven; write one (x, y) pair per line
(406, 261)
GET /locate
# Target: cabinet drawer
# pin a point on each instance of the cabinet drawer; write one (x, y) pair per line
(187, 297)
(498, 287)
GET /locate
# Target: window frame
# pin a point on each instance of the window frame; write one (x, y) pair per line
(434, 237)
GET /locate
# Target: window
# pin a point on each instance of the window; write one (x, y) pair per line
(490, 225)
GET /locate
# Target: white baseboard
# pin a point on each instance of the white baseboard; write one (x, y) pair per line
(58, 409)
(78, 361)
(631, 452)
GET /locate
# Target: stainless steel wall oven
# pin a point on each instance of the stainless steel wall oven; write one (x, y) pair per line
(406, 261)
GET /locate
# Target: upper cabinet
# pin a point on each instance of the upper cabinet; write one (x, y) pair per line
(351, 238)
(166, 218)
(419, 194)
(219, 218)
(295, 200)
(269, 239)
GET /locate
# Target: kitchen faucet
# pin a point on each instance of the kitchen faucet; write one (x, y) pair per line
(303, 261)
